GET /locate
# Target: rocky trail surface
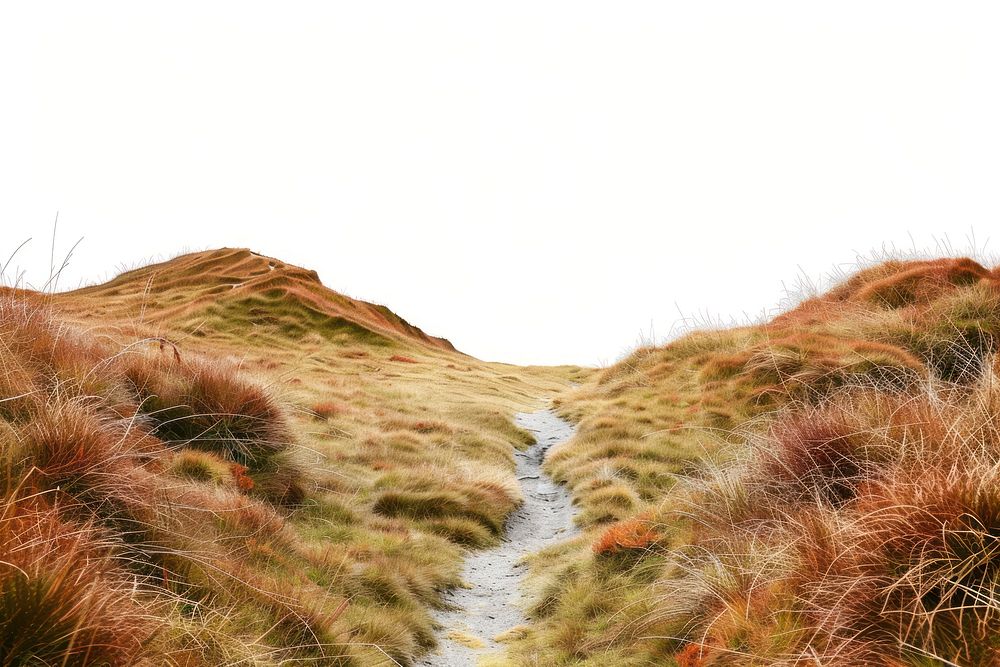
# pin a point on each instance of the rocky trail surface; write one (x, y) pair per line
(491, 604)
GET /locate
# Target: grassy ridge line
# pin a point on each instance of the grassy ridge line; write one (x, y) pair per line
(244, 499)
(241, 291)
(836, 504)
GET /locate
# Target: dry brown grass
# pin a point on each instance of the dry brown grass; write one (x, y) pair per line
(898, 566)
(63, 598)
(635, 535)
(821, 487)
(97, 554)
(167, 422)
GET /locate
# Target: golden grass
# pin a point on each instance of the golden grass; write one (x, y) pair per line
(232, 465)
(263, 473)
(466, 639)
(814, 490)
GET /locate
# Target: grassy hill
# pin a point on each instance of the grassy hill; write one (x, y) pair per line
(216, 461)
(239, 292)
(818, 489)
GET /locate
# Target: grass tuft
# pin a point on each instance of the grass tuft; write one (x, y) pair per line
(63, 601)
(632, 536)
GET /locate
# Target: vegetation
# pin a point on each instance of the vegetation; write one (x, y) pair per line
(217, 461)
(819, 489)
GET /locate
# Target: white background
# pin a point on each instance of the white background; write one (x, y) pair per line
(537, 181)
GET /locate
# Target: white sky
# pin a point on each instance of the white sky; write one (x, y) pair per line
(537, 181)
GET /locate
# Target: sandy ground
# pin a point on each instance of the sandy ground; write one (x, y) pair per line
(491, 604)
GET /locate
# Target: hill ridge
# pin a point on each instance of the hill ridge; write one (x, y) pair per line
(240, 289)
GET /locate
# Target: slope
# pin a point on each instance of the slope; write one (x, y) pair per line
(817, 489)
(251, 468)
(241, 292)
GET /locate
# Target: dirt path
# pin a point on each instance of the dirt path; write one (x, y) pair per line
(491, 605)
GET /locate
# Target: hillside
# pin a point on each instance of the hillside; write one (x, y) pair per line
(817, 489)
(240, 292)
(218, 461)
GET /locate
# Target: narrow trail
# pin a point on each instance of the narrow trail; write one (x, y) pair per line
(491, 604)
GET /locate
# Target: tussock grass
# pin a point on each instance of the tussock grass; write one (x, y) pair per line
(625, 538)
(877, 545)
(208, 406)
(100, 541)
(62, 598)
(211, 449)
(819, 489)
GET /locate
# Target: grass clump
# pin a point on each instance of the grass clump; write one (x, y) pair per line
(635, 535)
(63, 600)
(200, 466)
(401, 358)
(438, 505)
(209, 406)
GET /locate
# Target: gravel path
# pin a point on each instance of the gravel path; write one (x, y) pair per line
(491, 605)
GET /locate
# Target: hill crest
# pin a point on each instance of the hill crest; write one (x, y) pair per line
(242, 290)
